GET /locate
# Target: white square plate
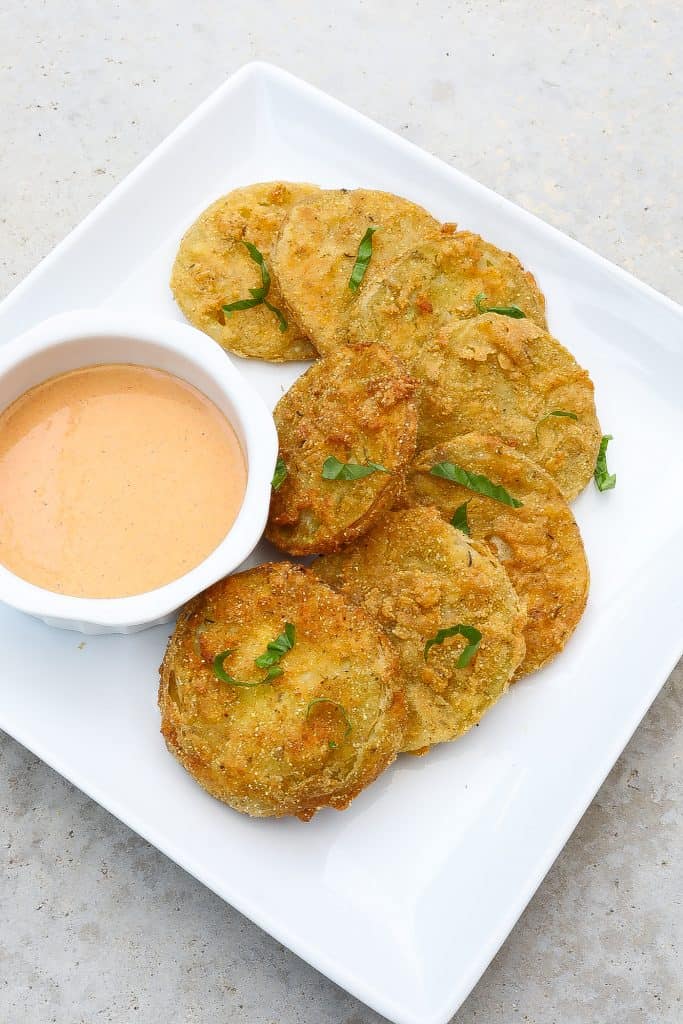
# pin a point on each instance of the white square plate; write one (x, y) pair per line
(404, 898)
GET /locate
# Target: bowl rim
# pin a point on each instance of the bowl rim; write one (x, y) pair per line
(260, 443)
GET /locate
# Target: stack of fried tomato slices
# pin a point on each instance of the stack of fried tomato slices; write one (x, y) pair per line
(427, 458)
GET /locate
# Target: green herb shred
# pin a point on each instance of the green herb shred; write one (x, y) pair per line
(281, 321)
(560, 413)
(362, 260)
(470, 633)
(513, 311)
(258, 258)
(268, 660)
(276, 649)
(333, 469)
(220, 673)
(459, 520)
(475, 482)
(258, 295)
(233, 307)
(604, 480)
(279, 474)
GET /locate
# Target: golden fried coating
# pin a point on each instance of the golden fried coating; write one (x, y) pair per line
(416, 575)
(213, 268)
(509, 378)
(317, 249)
(312, 736)
(355, 405)
(538, 544)
(437, 282)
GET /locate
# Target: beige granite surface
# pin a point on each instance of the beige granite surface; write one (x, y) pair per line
(572, 110)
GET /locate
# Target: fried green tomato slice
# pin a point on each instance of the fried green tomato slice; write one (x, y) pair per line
(418, 575)
(213, 268)
(538, 544)
(511, 379)
(287, 742)
(353, 408)
(317, 250)
(437, 282)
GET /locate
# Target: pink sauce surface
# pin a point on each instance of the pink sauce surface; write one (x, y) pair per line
(114, 480)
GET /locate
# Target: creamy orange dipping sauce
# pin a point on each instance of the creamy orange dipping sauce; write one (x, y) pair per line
(114, 480)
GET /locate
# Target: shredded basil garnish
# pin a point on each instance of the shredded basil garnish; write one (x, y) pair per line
(268, 660)
(257, 257)
(333, 469)
(475, 482)
(604, 480)
(220, 673)
(558, 413)
(326, 700)
(242, 304)
(258, 295)
(514, 311)
(459, 520)
(470, 633)
(277, 648)
(362, 259)
(279, 474)
(281, 321)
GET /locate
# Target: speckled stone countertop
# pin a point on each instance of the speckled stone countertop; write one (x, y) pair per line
(569, 109)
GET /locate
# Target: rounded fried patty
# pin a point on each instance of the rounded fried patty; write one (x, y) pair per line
(538, 543)
(347, 431)
(278, 696)
(450, 277)
(418, 576)
(318, 247)
(214, 268)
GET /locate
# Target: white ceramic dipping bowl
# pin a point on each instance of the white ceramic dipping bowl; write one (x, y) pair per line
(91, 337)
